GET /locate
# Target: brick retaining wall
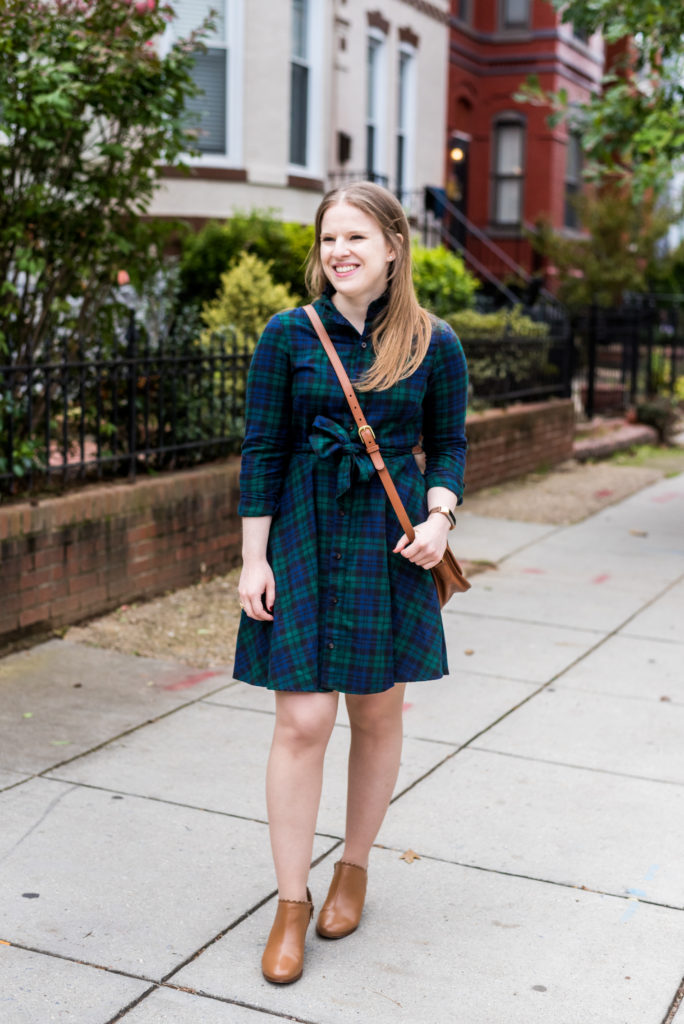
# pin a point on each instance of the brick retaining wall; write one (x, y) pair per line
(505, 443)
(68, 558)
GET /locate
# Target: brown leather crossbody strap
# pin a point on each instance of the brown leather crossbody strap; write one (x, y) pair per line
(365, 431)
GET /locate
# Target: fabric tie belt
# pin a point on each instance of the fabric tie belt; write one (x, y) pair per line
(330, 440)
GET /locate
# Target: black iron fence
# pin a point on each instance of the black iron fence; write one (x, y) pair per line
(89, 412)
(512, 369)
(630, 353)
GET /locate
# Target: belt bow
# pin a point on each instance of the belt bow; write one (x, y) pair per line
(329, 440)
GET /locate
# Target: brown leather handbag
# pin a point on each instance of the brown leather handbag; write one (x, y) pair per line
(447, 574)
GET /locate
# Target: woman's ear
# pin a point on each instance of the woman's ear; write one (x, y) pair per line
(392, 251)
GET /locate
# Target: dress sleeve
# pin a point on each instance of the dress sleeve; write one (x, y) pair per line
(444, 413)
(266, 447)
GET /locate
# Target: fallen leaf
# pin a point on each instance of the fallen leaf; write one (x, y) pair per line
(409, 856)
(3, 943)
(668, 699)
(203, 632)
(27, 714)
(60, 743)
(469, 651)
(639, 533)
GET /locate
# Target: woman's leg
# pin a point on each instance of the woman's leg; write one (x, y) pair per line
(294, 777)
(374, 755)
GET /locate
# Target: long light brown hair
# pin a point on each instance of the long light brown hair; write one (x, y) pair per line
(401, 332)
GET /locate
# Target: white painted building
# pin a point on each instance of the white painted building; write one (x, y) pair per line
(302, 94)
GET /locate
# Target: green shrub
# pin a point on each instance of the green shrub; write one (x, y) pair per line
(442, 282)
(248, 298)
(660, 412)
(217, 247)
(504, 323)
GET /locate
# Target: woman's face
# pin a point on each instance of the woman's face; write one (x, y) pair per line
(354, 253)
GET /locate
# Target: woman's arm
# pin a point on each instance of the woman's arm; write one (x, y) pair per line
(265, 457)
(444, 411)
(257, 583)
(431, 536)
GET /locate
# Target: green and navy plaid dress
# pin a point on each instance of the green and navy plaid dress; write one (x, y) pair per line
(349, 615)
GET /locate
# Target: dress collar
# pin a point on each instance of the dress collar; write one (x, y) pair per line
(375, 308)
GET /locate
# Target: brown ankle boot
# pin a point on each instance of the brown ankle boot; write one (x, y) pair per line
(283, 959)
(341, 912)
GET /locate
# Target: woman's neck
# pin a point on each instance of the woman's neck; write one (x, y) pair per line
(354, 310)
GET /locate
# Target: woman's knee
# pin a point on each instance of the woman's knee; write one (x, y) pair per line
(377, 713)
(305, 720)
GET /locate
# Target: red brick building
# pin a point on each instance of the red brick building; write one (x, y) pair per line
(505, 166)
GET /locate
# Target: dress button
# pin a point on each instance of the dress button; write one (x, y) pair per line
(331, 646)
(338, 555)
(340, 512)
(364, 344)
(334, 600)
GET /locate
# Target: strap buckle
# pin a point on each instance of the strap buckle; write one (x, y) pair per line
(366, 426)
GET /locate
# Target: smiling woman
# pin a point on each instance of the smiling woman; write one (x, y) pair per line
(335, 598)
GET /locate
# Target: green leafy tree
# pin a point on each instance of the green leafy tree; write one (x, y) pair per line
(633, 129)
(90, 111)
(613, 256)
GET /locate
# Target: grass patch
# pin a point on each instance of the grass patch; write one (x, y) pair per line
(669, 460)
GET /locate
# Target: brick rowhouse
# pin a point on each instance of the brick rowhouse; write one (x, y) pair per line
(505, 167)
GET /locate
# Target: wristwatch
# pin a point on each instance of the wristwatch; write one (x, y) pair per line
(446, 511)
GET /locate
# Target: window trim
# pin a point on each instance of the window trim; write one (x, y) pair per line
(505, 120)
(572, 186)
(379, 170)
(408, 130)
(314, 63)
(234, 44)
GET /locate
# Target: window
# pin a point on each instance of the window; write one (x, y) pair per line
(215, 111)
(405, 120)
(300, 84)
(306, 86)
(516, 13)
(573, 180)
(375, 108)
(509, 144)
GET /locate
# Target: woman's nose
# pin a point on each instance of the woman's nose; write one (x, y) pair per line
(340, 247)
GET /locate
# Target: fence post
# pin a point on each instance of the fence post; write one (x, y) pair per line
(569, 358)
(635, 342)
(649, 355)
(132, 359)
(591, 361)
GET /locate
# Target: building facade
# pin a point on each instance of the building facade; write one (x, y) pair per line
(299, 95)
(504, 166)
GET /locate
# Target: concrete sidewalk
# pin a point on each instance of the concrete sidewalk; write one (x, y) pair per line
(542, 786)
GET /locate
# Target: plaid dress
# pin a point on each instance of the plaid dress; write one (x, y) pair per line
(349, 615)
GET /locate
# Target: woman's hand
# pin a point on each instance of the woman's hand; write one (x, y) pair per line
(430, 543)
(256, 588)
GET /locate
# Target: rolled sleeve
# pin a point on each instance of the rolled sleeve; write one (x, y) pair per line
(266, 447)
(444, 413)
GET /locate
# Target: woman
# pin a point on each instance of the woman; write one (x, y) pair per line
(335, 599)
